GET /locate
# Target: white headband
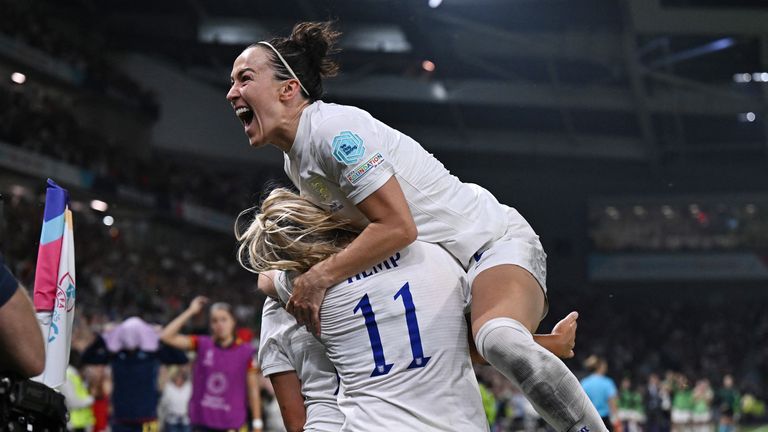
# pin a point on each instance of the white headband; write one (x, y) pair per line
(285, 63)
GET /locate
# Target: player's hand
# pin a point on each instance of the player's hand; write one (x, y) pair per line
(308, 293)
(566, 332)
(197, 305)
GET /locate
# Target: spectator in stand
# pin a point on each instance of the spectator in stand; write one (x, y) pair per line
(602, 391)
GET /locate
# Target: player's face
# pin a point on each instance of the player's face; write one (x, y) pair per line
(222, 324)
(254, 95)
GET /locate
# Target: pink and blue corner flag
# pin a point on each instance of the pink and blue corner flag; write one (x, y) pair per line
(54, 295)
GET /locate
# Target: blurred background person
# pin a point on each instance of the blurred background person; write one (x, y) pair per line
(77, 397)
(728, 402)
(133, 351)
(602, 391)
(99, 379)
(682, 403)
(630, 406)
(174, 402)
(656, 402)
(701, 412)
(225, 377)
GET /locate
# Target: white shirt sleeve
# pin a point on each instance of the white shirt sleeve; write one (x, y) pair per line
(350, 151)
(272, 355)
(283, 286)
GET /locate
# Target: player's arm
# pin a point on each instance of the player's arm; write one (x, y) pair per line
(171, 332)
(288, 393)
(614, 408)
(21, 341)
(254, 398)
(391, 228)
(266, 283)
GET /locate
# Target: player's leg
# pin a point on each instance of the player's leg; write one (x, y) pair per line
(507, 305)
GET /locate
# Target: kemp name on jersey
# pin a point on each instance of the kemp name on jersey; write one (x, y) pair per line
(385, 265)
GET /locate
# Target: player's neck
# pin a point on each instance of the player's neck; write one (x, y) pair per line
(289, 127)
(226, 342)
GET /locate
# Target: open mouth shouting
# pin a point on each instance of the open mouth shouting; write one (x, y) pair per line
(245, 114)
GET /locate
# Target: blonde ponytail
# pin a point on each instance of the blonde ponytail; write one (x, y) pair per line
(290, 233)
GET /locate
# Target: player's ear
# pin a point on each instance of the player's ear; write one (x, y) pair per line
(289, 89)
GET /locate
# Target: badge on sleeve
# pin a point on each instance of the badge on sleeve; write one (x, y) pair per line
(348, 148)
(364, 168)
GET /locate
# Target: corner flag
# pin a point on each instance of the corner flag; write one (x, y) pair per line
(54, 295)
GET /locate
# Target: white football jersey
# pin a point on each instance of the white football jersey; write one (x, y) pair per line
(286, 346)
(341, 155)
(398, 339)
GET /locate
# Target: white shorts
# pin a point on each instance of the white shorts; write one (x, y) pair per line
(702, 417)
(624, 414)
(681, 416)
(519, 245)
(631, 415)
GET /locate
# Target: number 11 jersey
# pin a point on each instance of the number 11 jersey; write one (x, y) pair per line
(397, 335)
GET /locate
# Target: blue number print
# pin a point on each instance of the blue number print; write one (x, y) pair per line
(419, 360)
(382, 368)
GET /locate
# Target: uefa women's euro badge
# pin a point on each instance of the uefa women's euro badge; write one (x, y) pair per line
(348, 148)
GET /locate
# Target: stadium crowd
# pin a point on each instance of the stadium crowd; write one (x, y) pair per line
(680, 352)
(732, 224)
(69, 33)
(35, 121)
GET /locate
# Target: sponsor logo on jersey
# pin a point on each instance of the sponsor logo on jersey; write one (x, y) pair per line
(387, 264)
(208, 361)
(364, 168)
(320, 188)
(348, 148)
(478, 255)
(216, 383)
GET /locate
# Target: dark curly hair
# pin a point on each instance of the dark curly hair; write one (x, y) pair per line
(307, 52)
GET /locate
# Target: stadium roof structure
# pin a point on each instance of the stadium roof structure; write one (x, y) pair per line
(630, 79)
